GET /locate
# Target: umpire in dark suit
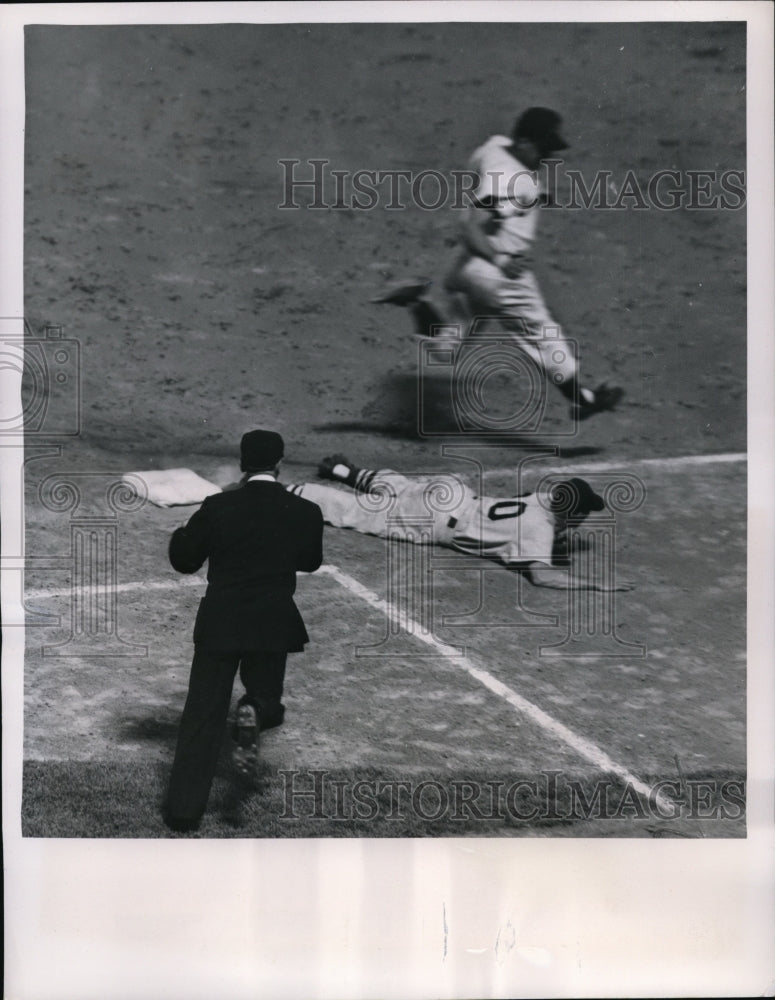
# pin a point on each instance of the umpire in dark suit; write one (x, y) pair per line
(256, 538)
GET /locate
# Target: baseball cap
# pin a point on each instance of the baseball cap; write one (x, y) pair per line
(542, 125)
(575, 497)
(260, 450)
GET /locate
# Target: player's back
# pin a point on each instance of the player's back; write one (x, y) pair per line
(514, 530)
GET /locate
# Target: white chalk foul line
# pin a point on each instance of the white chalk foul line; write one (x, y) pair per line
(119, 588)
(584, 748)
(669, 464)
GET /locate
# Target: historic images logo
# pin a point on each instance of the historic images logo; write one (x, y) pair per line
(550, 796)
(312, 184)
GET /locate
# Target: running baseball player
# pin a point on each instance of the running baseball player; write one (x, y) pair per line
(526, 532)
(493, 277)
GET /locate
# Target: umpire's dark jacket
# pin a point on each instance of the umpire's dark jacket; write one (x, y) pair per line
(256, 538)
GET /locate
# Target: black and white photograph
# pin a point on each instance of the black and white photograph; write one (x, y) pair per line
(384, 411)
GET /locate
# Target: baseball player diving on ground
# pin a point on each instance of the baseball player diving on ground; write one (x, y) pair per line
(493, 279)
(528, 532)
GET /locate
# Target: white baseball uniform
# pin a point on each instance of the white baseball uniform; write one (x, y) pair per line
(513, 194)
(513, 530)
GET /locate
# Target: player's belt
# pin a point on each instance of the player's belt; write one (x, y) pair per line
(452, 522)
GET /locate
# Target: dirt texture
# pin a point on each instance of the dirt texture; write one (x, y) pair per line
(154, 237)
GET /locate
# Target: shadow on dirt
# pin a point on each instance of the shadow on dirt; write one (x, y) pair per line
(151, 729)
(164, 731)
(434, 407)
(412, 434)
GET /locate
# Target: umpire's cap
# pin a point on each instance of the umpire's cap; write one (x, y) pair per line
(575, 498)
(260, 450)
(542, 126)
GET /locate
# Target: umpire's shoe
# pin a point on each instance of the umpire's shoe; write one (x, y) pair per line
(245, 750)
(404, 294)
(180, 824)
(271, 715)
(606, 398)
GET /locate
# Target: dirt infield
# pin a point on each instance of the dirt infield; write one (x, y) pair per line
(153, 236)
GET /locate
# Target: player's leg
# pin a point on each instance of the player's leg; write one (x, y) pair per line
(385, 502)
(375, 481)
(527, 316)
(338, 507)
(339, 468)
(399, 502)
(361, 511)
(263, 675)
(200, 735)
(428, 319)
(522, 312)
(518, 309)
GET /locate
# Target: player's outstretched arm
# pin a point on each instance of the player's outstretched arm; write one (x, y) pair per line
(563, 579)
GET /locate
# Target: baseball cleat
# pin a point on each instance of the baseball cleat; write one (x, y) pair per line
(245, 751)
(404, 294)
(606, 398)
(326, 467)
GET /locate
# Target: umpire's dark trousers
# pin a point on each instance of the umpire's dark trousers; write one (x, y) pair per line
(204, 719)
